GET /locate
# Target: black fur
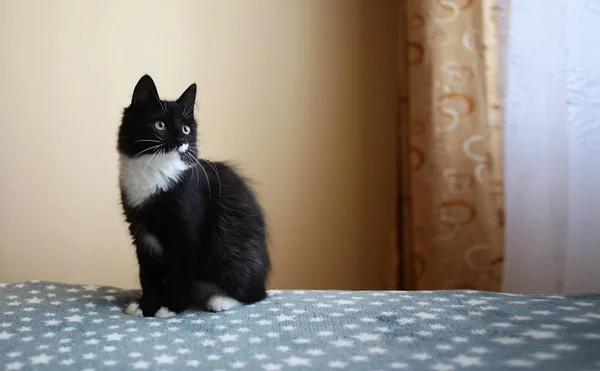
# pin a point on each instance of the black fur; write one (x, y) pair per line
(209, 223)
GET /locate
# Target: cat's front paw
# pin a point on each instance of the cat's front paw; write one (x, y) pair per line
(220, 303)
(164, 312)
(133, 309)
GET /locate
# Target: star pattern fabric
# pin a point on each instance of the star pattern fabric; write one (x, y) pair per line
(52, 326)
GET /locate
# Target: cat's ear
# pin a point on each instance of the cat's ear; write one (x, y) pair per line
(188, 100)
(145, 91)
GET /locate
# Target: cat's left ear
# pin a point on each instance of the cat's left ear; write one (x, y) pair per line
(188, 100)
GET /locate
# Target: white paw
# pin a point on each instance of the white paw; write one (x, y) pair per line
(133, 309)
(164, 312)
(219, 303)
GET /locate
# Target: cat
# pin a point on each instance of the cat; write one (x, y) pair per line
(194, 223)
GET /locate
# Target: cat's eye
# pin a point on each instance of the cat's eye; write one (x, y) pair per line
(159, 125)
(186, 130)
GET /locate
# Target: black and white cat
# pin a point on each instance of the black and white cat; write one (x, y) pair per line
(194, 223)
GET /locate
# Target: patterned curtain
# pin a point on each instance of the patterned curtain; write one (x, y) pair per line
(451, 233)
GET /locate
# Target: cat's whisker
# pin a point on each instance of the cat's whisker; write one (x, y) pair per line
(148, 140)
(213, 166)
(194, 169)
(146, 150)
(150, 160)
(205, 174)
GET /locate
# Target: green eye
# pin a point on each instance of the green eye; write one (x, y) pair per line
(159, 125)
(186, 130)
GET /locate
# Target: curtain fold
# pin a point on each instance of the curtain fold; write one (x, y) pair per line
(451, 232)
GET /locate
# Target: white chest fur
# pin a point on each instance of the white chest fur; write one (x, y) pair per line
(146, 175)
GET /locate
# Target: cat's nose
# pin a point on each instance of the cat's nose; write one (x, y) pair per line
(180, 142)
(181, 148)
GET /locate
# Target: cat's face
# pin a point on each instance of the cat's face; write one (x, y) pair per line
(151, 126)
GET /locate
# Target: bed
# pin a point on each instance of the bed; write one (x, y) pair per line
(53, 326)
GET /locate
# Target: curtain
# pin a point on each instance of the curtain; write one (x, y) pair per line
(553, 147)
(452, 220)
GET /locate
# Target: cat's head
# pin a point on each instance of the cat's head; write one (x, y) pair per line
(153, 126)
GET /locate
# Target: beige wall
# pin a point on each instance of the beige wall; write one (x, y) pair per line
(299, 92)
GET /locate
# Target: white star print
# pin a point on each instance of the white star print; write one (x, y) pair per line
(315, 352)
(260, 356)
(576, 320)
(479, 350)
(342, 343)
(164, 359)
(283, 348)
(13, 354)
(442, 367)
(359, 358)
(364, 337)
(89, 356)
(542, 356)
(75, 318)
(536, 334)
(41, 359)
(183, 351)
(284, 318)
(193, 363)
(421, 356)
(67, 362)
(377, 350)
(297, 361)
(34, 300)
(338, 364)
(567, 347)
(466, 361)
(228, 337)
(53, 322)
(110, 362)
(398, 365)
(476, 302)
(272, 367)
(141, 364)
(520, 363)
(5, 335)
(114, 337)
(213, 357)
(508, 340)
(14, 366)
(64, 349)
(592, 336)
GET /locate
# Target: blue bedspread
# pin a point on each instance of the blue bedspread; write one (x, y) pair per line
(51, 326)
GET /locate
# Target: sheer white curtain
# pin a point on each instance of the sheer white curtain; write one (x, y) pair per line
(552, 146)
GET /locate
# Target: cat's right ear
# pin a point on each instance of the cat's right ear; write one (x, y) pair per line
(145, 91)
